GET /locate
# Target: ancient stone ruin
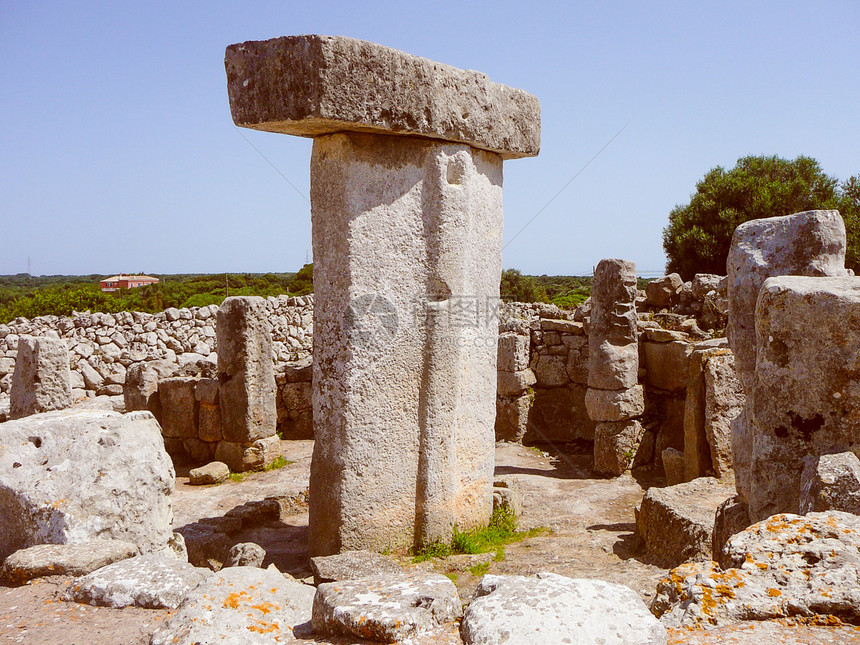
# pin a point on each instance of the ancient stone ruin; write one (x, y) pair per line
(406, 204)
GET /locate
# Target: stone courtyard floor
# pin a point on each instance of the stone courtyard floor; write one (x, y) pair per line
(592, 536)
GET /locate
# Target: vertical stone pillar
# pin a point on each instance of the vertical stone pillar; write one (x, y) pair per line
(614, 398)
(42, 379)
(811, 243)
(406, 205)
(247, 394)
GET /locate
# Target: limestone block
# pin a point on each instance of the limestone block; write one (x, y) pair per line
(724, 401)
(676, 523)
(513, 384)
(178, 407)
(299, 372)
(207, 391)
(63, 559)
(697, 452)
(392, 215)
(551, 371)
(731, 518)
(239, 605)
(386, 608)
(245, 554)
(248, 394)
(563, 327)
(212, 473)
(811, 243)
(549, 608)
(613, 297)
(41, 380)
(703, 283)
(665, 291)
(315, 85)
(47, 459)
(508, 495)
(512, 416)
(513, 352)
(141, 385)
(615, 405)
(209, 422)
(577, 359)
(241, 457)
(806, 386)
(673, 466)
(559, 414)
(666, 364)
(351, 565)
(830, 482)
(297, 396)
(615, 445)
(613, 367)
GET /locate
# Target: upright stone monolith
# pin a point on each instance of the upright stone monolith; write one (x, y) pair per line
(247, 392)
(614, 398)
(42, 379)
(406, 205)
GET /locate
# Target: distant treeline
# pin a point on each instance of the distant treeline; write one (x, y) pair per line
(60, 295)
(31, 296)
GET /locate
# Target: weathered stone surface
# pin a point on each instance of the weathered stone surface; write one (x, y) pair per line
(316, 85)
(676, 523)
(615, 405)
(615, 445)
(239, 605)
(731, 517)
(811, 243)
(806, 385)
(515, 383)
(351, 565)
(787, 566)
(140, 391)
(59, 473)
(248, 394)
(830, 482)
(613, 355)
(214, 472)
(551, 371)
(512, 417)
(209, 422)
(665, 291)
(703, 283)
(178, 407)
(153, 581)
(429, 388)
(245, 554)
(577, 359)
(673, 466)
(697, 452)
(508, 495)
(549, 608)
(513, 352)
(667, 364)
(241, 457)
(63, 559)
(41, 381)
(385, 608)
(724, 401)
(562, 326)
(206, 545)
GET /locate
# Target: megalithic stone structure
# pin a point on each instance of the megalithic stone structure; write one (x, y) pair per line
(406, 209)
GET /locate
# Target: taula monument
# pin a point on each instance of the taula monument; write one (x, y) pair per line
(406, 208)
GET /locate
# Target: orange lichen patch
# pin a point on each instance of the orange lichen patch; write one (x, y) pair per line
(774, 592)
(264, 628)
(725, 590)
(232, 601)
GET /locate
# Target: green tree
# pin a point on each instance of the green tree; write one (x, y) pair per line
(699, 233)
(520, 288)
(303, 283)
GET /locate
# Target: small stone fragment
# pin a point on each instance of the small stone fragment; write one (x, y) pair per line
(214, 472)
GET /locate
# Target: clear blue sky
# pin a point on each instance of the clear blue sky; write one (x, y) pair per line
(119, 153)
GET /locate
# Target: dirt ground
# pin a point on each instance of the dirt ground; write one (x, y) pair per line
(592, 536)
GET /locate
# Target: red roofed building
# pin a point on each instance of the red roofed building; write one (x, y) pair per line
(116, 282)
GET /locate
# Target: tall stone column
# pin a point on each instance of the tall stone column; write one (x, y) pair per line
(406, 206)
(614, 398)
(41, 381)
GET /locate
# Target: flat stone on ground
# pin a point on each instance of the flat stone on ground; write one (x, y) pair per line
(549, 608)
(676, 523)
(154, 581)
(239, 605)
(351, 565)
(385, 608)
(63, 559)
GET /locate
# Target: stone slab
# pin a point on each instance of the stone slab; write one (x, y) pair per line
(63, 559)
(315, 85)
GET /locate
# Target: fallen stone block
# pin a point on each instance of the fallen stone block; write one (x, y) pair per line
(615, 445)
(676, 523)
(387, 608)
(665, 291)
(214, 472)
(245, 554)
(239, 605)
(787, 566)
(59, 473)
(549, 608)
(352, 565)
(63, 560)
(154, 581)
(206, 545)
